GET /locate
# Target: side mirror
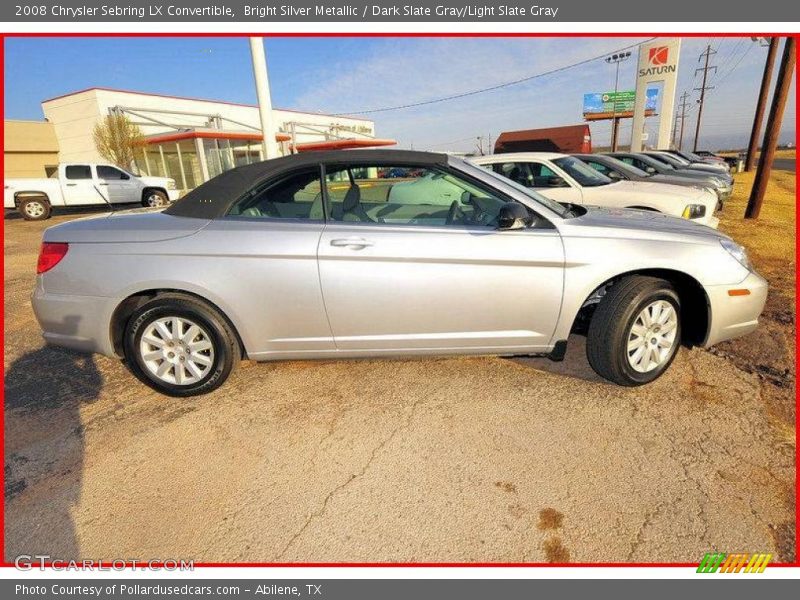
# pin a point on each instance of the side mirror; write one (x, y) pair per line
(614, 175)
(125, 177)
(513, 215)
(651, 170)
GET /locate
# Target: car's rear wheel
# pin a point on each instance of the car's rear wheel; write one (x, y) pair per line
(635, 332)
(180, 346)
(34, 208)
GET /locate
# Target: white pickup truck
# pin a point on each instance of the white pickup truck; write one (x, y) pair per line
(83, 184)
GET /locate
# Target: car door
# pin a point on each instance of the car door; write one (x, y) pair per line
(79, 186)
(269, 240)
(408, 266)
(118, 185)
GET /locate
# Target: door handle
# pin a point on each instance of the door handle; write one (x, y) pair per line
(102, 184)
(71, 184)
(355, 243)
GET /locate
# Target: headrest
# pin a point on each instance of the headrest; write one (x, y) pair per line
(352, 198)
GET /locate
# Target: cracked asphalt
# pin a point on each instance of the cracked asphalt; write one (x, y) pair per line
(435, 460)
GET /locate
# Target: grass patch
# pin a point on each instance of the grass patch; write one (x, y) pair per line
(770, 241)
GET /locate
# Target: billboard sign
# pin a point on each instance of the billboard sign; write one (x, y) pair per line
(607, 105)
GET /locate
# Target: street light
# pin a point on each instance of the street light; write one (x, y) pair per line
(615, 59)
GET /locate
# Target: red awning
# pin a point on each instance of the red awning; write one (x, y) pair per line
(343, 144)
(213, 135)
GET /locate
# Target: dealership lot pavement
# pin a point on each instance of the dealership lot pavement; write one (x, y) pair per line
(470, 459)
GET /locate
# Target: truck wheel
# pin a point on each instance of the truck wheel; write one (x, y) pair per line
(155, 199)
(179, 346)
(635, 331)
(34, 208)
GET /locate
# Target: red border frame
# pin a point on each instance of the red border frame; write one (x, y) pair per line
(796, 563)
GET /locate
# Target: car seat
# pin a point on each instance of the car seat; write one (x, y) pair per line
(352, 210)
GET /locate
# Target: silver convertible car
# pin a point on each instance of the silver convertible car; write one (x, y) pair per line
(366, 253)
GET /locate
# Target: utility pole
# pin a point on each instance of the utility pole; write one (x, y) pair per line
(773, 130)
(752, 147)
(615, 59)
(675, 128)
(264, 99)
(708, 54)
(479, 146)
(684, 104)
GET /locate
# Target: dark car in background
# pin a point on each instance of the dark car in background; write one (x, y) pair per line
(693, 157)
(680, 163)
(617, 169)
(650, 165)
(731, 161)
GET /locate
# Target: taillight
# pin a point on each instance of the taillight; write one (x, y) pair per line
(50, 255)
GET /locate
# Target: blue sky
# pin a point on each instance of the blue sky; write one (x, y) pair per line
(352, 74)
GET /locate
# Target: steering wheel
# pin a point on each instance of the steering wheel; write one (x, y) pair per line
(455, 214)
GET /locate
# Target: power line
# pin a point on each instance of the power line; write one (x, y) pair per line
(702, 89)
(490, 88)
(719, 80)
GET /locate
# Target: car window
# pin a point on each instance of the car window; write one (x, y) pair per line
(558, 208)
(530, 174)
(599, 167)
(295, 196)
(581, 172)
(647, 160)
(623, 166)
(671, 158)
(78, 172)
(106, 172)
(408, 195)
(667, 160)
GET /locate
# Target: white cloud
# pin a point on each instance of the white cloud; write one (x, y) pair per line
(400, 71)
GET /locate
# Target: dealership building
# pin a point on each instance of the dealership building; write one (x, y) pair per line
(188, 139)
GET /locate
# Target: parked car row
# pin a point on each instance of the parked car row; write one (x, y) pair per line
(600, 180)
(316, 256)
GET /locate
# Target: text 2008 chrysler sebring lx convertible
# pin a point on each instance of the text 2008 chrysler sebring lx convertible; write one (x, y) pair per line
(385, 253)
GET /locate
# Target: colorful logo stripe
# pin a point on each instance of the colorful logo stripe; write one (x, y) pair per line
(734, 563)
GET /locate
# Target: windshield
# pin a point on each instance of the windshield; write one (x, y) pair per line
(561, 210)
(691, 157)
(673, 160)
(581, 172)
(659, 162)
(618, 165)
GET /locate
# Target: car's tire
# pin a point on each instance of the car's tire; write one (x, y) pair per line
(155, 199)
(34, 208)
(180, 346)
(620, 341)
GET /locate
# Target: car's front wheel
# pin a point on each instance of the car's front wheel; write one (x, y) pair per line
(635, 332)
(180, 346)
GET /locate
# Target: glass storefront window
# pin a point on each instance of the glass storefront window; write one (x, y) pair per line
(191, 165)
(165, 159)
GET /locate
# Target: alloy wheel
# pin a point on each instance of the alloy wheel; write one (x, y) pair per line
(651, 339)
(155, 200)
(177, 350)
(34, 209)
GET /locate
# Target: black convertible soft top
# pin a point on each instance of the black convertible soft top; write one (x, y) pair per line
(214, 198)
